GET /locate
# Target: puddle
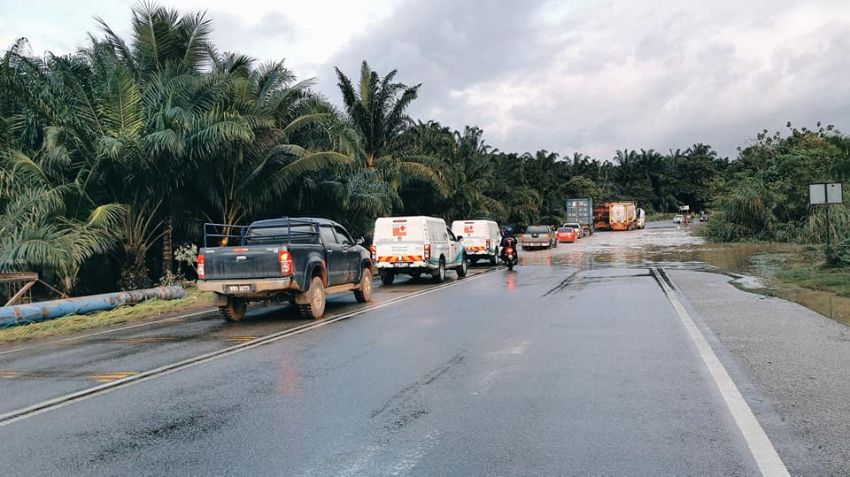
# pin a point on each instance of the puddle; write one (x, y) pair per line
(752, 266)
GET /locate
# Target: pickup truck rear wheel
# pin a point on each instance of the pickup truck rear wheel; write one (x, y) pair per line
(463, 268)
(439, 275)
(315, 307)
(234, 310)
(364, 293)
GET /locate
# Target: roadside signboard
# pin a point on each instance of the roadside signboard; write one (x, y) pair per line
(829, 193)
(826, 194)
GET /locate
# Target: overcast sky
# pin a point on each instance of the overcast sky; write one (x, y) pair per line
(566, 76)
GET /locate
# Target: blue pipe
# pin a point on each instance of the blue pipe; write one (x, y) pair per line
(48, 310)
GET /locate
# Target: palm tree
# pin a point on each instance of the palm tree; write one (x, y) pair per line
(377, 109)
(295, 133)
(183, 123)
(36, 232)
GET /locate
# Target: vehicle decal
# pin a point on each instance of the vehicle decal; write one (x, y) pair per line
(476, 248)
(400, 258)
(399, 230)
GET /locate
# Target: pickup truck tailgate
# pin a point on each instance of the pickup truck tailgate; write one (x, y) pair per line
(475, 245)
(254, 261)
(399, 252)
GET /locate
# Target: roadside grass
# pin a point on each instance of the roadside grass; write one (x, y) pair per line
(817, 277)
(193, 300)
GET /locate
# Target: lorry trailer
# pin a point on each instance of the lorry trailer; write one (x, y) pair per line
(580, 211)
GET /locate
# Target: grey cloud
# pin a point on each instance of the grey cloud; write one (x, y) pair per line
(269, 35)
(616, 75)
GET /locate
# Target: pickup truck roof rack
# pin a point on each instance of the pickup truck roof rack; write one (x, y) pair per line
(224, 235)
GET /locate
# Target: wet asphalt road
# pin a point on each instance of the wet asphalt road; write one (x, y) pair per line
(546, 370)
(35, 372)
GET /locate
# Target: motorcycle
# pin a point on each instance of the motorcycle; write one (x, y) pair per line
(509, 257)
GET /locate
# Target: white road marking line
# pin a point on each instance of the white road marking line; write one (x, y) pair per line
(762, 450)
(75, 397)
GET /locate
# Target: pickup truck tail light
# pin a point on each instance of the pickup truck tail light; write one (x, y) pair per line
(285, 259)
(488, 244)
(427, 251)
(201, 269)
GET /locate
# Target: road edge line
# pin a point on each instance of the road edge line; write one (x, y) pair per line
(760, 446)
(33, 410)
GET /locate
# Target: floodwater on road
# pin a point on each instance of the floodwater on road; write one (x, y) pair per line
(751, 265)
(660, 244)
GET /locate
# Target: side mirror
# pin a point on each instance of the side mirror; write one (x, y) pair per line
(360, 241)
(460, 238)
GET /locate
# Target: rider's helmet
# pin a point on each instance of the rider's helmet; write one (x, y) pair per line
(506, 232)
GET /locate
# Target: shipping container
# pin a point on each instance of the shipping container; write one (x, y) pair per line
(580, 211)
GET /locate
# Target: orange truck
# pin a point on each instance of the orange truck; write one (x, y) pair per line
(600, 216)
(622, 215)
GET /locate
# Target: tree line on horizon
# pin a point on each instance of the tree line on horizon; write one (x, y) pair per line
(112, 158)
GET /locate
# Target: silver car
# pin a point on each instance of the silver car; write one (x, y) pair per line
(539, 236)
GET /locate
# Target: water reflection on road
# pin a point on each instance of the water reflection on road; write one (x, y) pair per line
(670, 246)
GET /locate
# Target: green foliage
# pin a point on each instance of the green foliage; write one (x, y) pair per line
(746, 213)
(769, 188)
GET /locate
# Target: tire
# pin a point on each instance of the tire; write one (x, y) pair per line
(364, 293)
(387, 277)
(234, 310)
(493, 259)
(316, 307)
(439, 275)
(463, 268)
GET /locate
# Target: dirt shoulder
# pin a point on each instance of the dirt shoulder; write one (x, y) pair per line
(796, 360)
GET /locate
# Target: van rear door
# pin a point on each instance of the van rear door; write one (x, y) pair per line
(399, 240)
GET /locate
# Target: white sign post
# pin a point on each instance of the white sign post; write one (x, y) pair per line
(826, 194)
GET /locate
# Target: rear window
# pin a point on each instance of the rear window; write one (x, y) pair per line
(301, 233)
(537, 229)
(575, 226)
(565, 229)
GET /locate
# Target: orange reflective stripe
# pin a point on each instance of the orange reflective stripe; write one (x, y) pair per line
(402, 258)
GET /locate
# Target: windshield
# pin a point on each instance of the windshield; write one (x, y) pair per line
(537, 229)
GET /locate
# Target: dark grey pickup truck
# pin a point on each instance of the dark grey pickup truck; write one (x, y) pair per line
(297, 259)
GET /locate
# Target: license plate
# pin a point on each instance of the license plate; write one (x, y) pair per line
(402, 264)
(239, 288)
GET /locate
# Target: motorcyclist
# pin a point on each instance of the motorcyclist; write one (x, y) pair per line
(508, 240)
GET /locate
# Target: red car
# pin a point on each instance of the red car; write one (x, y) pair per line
(566, 234)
